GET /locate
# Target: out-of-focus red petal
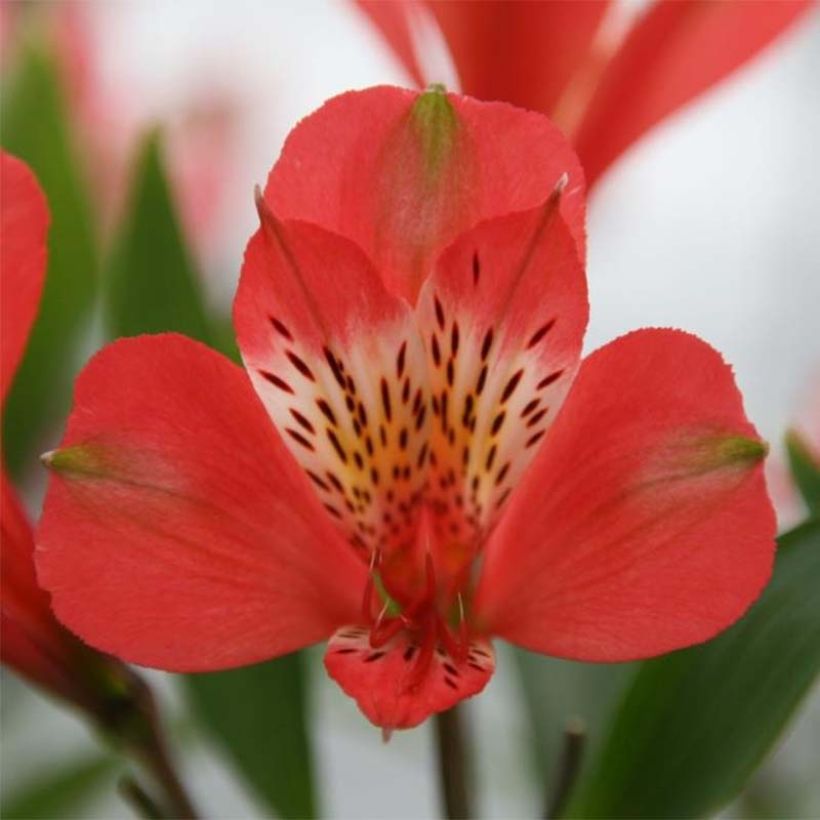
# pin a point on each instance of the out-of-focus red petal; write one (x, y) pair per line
(674, 53)
(32, 642)
(394, 21)
(503, 316)
(643, 525)
(337, 361)
(23, 226)
(178, 532)
(525, 53)
(423, 169)
(400, 684)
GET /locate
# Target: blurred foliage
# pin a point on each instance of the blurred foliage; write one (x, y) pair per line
(806, 472)
(34, 126)
(64, 793)
(556, 691)
(151, 284)
(258, 714)
(694, 724)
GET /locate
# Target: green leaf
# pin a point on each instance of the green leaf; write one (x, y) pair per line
(556, 691)
(695, 724)
(258, 714)
(34, 127)
(64, 793)
(805, 470)
(151, 284)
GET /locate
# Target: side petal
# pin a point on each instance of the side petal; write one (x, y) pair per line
(23, 227)
(402, 174)
(643, 525)
(391, 687)
(674, 53)
(525, 53)
(177, 531)
(503, 317)
(340, 368)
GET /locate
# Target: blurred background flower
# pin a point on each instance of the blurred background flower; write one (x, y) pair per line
(148, 124)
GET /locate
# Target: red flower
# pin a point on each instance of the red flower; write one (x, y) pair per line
(569, 60)
(33, 643)
(441, 467)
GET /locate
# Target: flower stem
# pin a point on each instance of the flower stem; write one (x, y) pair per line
(453, 764)
(129, 716)
(569, 766)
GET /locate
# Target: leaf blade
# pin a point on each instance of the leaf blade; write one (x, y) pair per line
(34, 126)
(151, 284)
(258, 715)
(694, 724)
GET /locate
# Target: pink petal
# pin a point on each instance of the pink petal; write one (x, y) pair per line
(644, 524)
(177, 531)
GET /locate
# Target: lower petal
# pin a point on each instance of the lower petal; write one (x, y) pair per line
(643, 525)
(401, 683)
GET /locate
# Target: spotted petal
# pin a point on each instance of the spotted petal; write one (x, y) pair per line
(423, 169)
(390, 686)
(503, 318)
(340, 368)
(643, 525)
(177, 531)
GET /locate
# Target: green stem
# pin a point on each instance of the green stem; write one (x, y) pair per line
(569, 766)
(453, 764)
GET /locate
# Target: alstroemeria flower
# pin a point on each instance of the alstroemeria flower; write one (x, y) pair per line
(32, 641)
(574, 62)
(415, 461)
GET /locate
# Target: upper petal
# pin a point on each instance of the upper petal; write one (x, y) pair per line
(177, 531)
(403, 174)
(526, 53)
(674, 53)
(23, 226)
(643, 525)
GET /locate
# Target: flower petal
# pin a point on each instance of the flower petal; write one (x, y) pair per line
(340, 367)
(424, 169)
(503, 317)
(177, 531)
(644, 524)
(388, 685)
(525, 53)
(674, 53)
(23, 226)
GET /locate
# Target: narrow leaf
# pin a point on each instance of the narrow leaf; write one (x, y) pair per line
(151, 282)
(695, 724)
(34, 126)
(805, 471)
(556, 692)
(258, 715)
